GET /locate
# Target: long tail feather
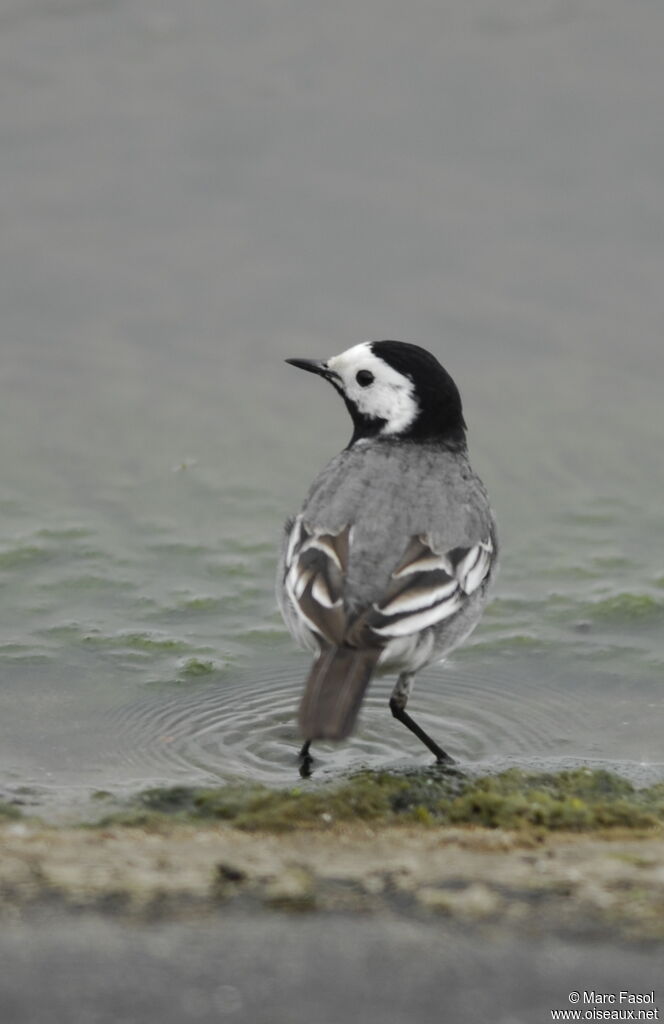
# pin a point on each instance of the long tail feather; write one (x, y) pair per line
(334, 690)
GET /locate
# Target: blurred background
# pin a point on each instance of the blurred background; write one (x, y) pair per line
(191, 193)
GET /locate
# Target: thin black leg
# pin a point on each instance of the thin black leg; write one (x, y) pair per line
(402, 716)
(306, 760)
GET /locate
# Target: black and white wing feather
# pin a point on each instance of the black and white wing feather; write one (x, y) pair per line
(315, 569)
(424, 589)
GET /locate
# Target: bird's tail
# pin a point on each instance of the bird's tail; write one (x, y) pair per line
(334, 690)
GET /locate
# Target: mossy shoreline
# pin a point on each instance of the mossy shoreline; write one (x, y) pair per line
(579, 800)
(576, 852)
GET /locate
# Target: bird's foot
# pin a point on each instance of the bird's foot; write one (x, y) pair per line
(305, 761)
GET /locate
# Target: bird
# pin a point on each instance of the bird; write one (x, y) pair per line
(387, 566)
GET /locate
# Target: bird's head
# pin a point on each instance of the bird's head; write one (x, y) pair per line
(394, 390)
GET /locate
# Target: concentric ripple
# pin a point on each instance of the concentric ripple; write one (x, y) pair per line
(245, 727)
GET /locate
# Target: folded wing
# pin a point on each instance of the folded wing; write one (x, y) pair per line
(425, 588)
(316, 566)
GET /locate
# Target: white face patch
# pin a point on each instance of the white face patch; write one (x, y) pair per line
(391, 396)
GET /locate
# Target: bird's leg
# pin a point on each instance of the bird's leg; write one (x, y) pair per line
(306, 760)
(398, 702)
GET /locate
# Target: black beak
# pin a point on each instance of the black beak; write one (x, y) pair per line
(312, 365)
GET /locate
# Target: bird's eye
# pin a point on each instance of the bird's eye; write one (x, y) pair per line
(364, 378)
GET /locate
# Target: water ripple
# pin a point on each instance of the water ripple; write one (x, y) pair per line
(245, 727)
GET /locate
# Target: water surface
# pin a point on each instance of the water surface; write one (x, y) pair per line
(192, 194)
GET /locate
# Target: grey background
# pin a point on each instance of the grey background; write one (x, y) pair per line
(191, 193)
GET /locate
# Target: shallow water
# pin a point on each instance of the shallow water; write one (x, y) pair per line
(189, 196)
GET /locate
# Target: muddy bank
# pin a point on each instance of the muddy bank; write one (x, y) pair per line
(361, 848)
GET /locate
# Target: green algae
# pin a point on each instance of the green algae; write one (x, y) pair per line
(194, 667)
(628, 608)
(25, 556)
(8, 811)
(365, 797)
(579, 800)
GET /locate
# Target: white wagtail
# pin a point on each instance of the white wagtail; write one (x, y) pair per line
(387, 566)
